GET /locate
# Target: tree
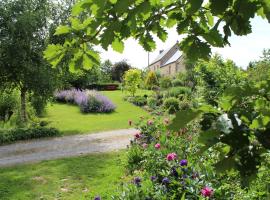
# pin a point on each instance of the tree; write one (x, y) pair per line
(204, 23)
(132, 80)
(119, 70)
(151, 80)
(106, 71)
(23, 30)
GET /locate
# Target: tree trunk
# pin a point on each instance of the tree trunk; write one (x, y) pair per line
(23, 105)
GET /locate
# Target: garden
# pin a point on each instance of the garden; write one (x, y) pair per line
(202, 133)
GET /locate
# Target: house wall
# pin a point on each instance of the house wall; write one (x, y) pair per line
(173, 68)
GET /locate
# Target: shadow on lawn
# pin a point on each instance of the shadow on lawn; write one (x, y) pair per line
(71, 178)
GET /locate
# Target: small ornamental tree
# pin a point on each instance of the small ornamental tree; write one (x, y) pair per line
(132, 79)
(151, 80)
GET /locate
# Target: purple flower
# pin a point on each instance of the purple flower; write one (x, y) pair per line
(137, 181)
(97, 198)
(183, 162)
(153, 178)
(174, 172)
(165, 181)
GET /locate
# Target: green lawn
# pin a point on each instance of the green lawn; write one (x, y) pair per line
(72, 178)
(69, 119)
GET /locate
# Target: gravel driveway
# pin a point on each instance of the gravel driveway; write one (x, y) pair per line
(66, 146)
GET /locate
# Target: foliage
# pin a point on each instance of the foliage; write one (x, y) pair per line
(12, 135)
(216, 75)
(119, 69)
(106, 71)
(111, 22)
(137, 100)
(23, 28)
(151, 80)
(241, 123)
(8, 104)
(165, 82)
(132, 80)
(260, 70)
(171, 105)
(177, 82)
(177, 92)
(152, 102)
(88, 101)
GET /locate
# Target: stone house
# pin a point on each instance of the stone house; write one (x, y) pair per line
(169, 62)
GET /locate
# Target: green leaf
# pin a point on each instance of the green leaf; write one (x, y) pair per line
(210, 18)
(94, 56)
(193, 6)
(182, 118)
(214, 38)
(62, 30)
(182, 26)
(87, 62)
(113, 1)
(209, 137)
(218, 6)
(54, 54)
(118, 45)
(225, 165)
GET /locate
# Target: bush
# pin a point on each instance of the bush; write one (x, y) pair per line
(89, 101)
(38, 103)
(171, 105)
(8, 104)
(178, 91)
(8, 136)
(177, 82)
(165, 82)
(137, 100)
(152, 102)
(151, 80)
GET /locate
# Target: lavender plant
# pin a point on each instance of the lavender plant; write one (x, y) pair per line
(89, 101)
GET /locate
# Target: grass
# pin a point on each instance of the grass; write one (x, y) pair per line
(69, 120)
(71, 178)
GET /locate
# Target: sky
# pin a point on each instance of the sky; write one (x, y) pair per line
(243, 49)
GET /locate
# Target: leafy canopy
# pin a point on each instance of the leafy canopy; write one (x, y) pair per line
(204, 23)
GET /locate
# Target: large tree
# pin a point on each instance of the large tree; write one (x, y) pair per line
(23, 30)
(204, 23)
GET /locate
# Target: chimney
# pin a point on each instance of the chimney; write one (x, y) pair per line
(160, 51)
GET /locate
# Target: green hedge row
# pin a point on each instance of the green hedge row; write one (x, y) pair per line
(12, 135)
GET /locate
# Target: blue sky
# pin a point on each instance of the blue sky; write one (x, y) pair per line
(242, 50)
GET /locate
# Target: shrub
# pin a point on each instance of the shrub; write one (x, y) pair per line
(151, 80)
(38, 103)
(171, 105)
(88, 100)
(152, 102)
(177, 82)
(8, 136)
(132, 80)
(139, 101)
(8, 104)
(178, 91)
(165, 82)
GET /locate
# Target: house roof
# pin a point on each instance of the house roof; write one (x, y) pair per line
(173, 58)
(158, 58)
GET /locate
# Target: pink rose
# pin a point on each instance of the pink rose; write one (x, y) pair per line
(171, 156)
(207, 191)
(137, 135)
(157, 146)
(150, 122)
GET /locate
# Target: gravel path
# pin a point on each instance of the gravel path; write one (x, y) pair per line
(66, 146)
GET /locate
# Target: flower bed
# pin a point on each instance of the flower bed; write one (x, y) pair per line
(89, 101)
